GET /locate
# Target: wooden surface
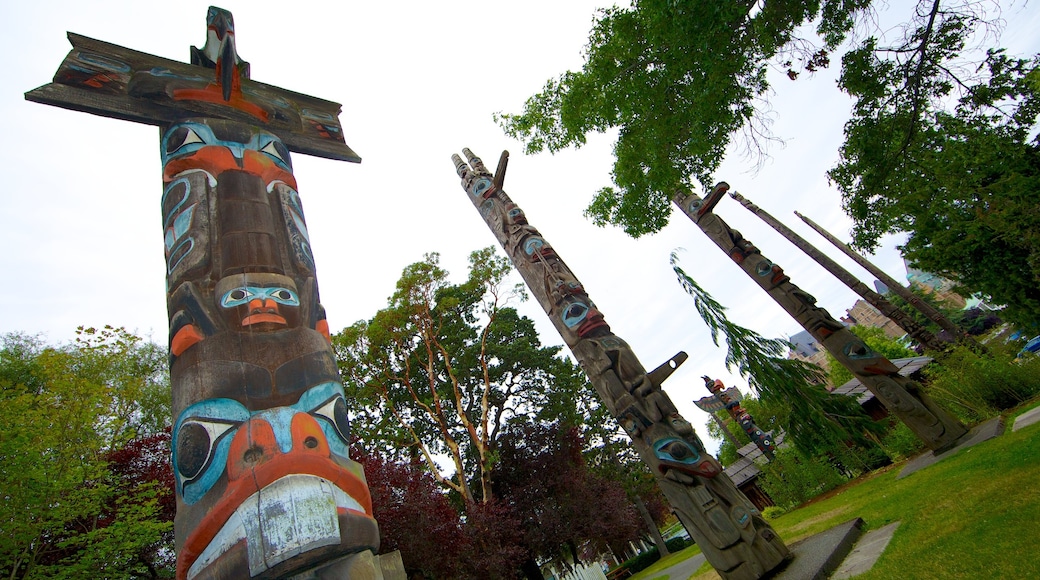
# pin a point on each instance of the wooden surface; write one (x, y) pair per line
(112, 81)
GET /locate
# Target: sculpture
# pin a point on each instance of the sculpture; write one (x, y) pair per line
(761, 439)
(902, 396)
(264, 483)
(734, 537)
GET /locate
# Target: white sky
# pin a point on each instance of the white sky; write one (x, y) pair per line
(418, 81)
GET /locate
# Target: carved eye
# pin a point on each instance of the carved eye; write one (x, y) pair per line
(180, 138)
(278, 151)
(284, 296)
(764, 267)
(480, 186)
(533, 245)
(236, 297)
(196, 440)
(335, 412)
(574, 314)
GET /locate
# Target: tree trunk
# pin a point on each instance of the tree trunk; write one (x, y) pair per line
(655, 533)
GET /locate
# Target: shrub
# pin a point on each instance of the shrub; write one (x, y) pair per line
(772, 512)
(900, 442)
(978, 387)
(793, 479)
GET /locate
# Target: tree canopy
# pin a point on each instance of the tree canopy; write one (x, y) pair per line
(941, 144)
(87, 486)
(444, 367)
(679, 80)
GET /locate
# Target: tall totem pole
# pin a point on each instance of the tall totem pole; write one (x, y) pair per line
(735, 539)
(264, 484)
(902, 396)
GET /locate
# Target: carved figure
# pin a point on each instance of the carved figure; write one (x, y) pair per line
(264, 479)
(734, 537)
(936, 428)
(264, 484)
(760, 438)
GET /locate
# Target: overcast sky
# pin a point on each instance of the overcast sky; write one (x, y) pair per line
(82, 235)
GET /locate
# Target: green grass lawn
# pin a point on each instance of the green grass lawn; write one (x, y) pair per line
(975, 515)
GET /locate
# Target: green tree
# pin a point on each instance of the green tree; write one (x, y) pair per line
(815, 421)
(960, 180)
(66, 410)
(939, 147)
(446, 366)
(876, 339)
(678, 79)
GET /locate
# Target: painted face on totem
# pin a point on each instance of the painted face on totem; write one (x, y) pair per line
(580, 316)
(258, 302)
(536, 248)
(674, 453)
(288, 463)
(515, 216)
(218, 146)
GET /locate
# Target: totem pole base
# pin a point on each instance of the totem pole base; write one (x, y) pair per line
(820, 555)
(981, 432)
(361, 566)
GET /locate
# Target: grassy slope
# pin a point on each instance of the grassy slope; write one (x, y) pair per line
(973, 515)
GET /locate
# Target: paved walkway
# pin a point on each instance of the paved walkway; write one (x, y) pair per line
(1026, 419)
(682, 570)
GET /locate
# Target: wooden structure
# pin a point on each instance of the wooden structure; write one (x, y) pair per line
(733, 536)
(900, 290)
(760, 438)
(917, 332)
(264, 484)
(903, 397)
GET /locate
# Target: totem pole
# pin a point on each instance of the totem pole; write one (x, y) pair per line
(712, 404)
(902, 396)
(900, 290)
(915, 330)
(761, 439)
(264, 484)
(735, 539)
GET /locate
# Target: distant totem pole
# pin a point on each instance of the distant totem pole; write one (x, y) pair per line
(264, 484)
(735, 539)
(760, 438)
(902, 396)
(922, 335)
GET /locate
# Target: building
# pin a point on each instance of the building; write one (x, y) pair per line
(863, 314)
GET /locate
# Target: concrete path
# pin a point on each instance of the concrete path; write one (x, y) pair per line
(981, 432)
(1026, 419)
(867, 551)
(682, 570)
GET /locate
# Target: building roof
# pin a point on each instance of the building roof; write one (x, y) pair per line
(907, 367)
(744, 469)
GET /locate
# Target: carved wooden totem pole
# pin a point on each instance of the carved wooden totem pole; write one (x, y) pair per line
(760, 438)
(922, 335)
(264, 484)
(902, 396)
(735, 539)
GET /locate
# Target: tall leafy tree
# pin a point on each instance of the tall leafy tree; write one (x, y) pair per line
(569, 513)
(816, 421)
(679, 80)
(949, 158)
(940, 145)
(446, 366)
(86, 483)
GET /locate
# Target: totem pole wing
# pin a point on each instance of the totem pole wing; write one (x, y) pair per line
(112, 81)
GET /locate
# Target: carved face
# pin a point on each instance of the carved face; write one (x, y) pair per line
(216, 146)
(675, 453)
(580, 315)
(288, 465)
(258, 302)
